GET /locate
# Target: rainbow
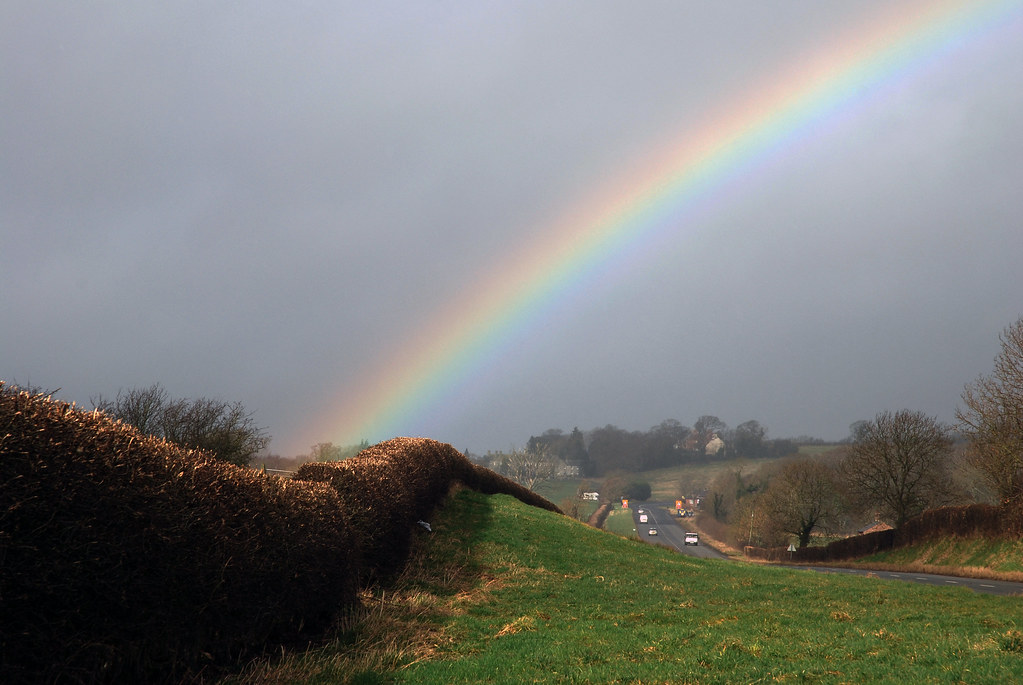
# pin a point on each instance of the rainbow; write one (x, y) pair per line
(458, 343)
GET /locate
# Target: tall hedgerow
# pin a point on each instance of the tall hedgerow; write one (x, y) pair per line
(126, 558)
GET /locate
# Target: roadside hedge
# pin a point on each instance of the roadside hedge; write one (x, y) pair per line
(388, 488)
(125, 558)
(973, 520)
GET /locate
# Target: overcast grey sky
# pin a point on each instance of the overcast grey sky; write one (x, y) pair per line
(254, 201)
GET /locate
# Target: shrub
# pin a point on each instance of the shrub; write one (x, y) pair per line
(125, 557)
(638, 490)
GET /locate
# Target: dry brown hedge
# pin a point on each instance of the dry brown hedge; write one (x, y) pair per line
(124, 558)
(598, 517)
(388, 488)
(127, 558)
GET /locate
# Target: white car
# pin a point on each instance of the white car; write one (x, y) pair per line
(692, 539)
(652, 531)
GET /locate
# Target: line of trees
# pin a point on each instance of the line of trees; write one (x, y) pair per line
(892, 468)
(895, 467)
(601, 451)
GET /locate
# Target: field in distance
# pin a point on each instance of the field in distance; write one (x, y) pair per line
(668, 483)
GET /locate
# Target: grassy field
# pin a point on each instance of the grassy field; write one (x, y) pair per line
(689, 479)
(621, 522)
(505, 593)
(557, 491)
(672, 482)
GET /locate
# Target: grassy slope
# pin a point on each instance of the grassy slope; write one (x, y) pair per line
(557, 491)
(979, 557)
(505, 593)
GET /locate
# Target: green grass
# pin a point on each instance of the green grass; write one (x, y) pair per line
(621, 522)
(505, 593)
(687, 479)
(557, 491)
(993, 557)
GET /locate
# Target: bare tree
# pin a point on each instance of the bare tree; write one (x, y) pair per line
(570, 507)
(328, 451)
(325, 451)
(803, 497)
(530, 467)
(222, 428)
(141, 407)
(992, 418)
(898, 465)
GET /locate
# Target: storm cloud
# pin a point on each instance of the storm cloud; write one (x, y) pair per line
(254, 202)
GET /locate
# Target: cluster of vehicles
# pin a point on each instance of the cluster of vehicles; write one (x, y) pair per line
(690, 538)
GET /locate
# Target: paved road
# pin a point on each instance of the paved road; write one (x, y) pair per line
(670, 531)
